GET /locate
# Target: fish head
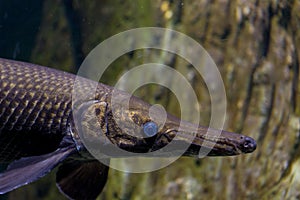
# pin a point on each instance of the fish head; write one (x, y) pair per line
(139, 127)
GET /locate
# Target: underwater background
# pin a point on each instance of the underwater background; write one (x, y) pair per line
(256, 46)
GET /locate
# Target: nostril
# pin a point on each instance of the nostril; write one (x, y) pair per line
(249, 144)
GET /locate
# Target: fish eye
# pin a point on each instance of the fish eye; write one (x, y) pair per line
(150, 129)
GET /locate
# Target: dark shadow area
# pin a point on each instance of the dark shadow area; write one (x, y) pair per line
(74, 19)
(19, 25)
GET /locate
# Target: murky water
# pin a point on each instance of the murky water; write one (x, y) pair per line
(256, 49)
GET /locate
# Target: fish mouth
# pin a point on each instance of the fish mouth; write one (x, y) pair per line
(248, 145)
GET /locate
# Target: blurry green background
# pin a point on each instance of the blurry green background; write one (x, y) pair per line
(255, 45)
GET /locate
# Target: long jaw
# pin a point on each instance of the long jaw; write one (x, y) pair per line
(227, 144)
(198, 141)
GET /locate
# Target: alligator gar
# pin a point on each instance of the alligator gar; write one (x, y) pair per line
(37, 131)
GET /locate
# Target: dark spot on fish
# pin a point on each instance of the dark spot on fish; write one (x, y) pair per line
(97, 111)
(136, 119)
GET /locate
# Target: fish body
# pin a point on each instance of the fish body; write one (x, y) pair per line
(35, 135)
(41, 122)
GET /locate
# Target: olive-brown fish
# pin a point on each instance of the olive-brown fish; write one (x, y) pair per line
(39, 130)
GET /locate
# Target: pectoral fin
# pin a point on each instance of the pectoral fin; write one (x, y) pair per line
(81, 179)
(29, 169)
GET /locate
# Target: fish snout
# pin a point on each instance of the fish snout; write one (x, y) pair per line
(248, 144)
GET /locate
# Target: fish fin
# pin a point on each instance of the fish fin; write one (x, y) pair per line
(29, 169)
(81, 179)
